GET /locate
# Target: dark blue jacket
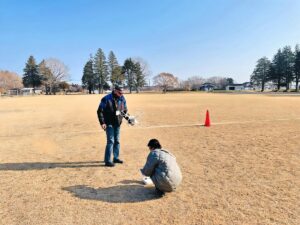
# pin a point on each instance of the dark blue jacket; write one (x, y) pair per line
(107, 110)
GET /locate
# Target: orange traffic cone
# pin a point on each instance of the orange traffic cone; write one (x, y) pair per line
(207, 119)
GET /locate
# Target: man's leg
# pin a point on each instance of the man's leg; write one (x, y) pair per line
(116, 150)
(109, 143)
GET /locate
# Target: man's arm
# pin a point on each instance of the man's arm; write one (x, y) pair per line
(124, 111)
(150, 165)
(125, 106)
(100, 111)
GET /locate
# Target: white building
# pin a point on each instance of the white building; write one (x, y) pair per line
(248, 86)
(14, 91)
(27, 91)
(31, 91)
(293, 85)
(235, 87)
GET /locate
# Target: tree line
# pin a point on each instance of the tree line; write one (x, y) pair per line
(99, 73)
(281, 71)
(167, 81)
(50, 73)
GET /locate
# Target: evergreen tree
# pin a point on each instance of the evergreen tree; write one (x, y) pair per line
(129, 73)
(115, 71)
(88, 78)
(261, 72)
(101, 70)
(119, 75)
(276, 73)
(297, 67)
(288, 66)
(140, 78)
(229, 80)
(46, 77)
(31, 77)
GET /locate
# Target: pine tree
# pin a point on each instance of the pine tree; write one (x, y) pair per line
(115, 71)
(261, 72)
(140, 78)
(101, 70)
(31, 77)
(46, 77)
(276, 72)
(88, 78)
(297, 67)
(129, 72)
(288, 66)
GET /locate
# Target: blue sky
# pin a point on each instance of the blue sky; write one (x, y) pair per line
(186, 38)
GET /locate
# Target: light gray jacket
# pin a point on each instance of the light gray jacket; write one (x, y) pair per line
(163, 169)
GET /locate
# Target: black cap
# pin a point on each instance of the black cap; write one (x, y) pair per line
(118, 87)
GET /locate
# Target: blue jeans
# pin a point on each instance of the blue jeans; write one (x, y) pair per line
(113, 142)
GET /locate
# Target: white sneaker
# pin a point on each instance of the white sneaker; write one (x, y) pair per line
(147, 181)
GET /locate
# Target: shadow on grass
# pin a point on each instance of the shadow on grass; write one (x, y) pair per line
(116, 194)
(131, 182)
(49, 165)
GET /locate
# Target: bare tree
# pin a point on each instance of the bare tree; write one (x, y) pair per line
(219, 82)
(58, 69)
(195, 81)
(185, 85)
(145, 68)
(165, 81)
(64, 86)
(142, 72)
(59, 72)
(9, 80)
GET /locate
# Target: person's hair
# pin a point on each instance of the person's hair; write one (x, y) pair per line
(154, 143)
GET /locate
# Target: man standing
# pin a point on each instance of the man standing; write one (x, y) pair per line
(110, 112)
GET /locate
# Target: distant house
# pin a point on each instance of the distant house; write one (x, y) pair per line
(31, 91)
(14, 91)
(235, 87)
(38, 91)
(207, 87)
(248, 86)
(27, 91)
(268, 86)
(293, 85)
(75, 88)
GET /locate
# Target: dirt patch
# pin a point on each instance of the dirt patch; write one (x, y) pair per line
(244, 169)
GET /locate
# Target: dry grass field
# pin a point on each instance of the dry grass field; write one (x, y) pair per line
(244, 169)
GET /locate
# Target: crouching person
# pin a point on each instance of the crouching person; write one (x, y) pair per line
(162, 167)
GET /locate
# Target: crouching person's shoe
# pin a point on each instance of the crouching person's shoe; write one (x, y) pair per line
(159, 192)
(109, 164)
(118, 161)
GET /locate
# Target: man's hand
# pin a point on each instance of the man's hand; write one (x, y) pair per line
(103, 126)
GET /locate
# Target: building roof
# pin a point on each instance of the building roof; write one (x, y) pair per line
(24, 89)
(235, 85)
(207, 84)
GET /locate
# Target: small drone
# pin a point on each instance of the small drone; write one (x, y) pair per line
(130, 119)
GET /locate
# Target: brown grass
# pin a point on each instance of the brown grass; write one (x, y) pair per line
(244, 169)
